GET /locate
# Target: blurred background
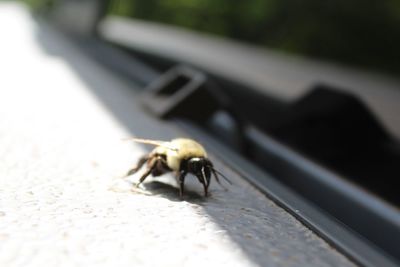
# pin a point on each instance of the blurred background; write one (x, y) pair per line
(365, 34)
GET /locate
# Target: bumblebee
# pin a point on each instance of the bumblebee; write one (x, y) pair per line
(181, 156)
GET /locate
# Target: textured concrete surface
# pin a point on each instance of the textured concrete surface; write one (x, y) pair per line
(62, 199)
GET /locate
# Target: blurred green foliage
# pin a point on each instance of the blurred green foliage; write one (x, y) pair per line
(361, 32)
(39, 5)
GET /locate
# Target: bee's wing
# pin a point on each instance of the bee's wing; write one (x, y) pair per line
(146, 141)
(165, 144)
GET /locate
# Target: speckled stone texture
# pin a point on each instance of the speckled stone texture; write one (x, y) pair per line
(63, 201)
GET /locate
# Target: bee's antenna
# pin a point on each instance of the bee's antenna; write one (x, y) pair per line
(223, 176)
(151, 142)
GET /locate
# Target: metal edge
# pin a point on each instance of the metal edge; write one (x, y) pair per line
(338, 235)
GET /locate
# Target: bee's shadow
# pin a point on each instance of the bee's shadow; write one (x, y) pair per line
(172, 193)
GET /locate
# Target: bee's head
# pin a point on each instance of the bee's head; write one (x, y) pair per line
(201, 168)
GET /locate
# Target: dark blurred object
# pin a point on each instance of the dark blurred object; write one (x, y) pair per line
(337, 130)
(182, 92)
(190, 94)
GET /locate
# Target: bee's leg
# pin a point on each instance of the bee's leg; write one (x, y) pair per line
(181, 180)
(205, 186)
(161, 167)
(148, 171)
(139, 165)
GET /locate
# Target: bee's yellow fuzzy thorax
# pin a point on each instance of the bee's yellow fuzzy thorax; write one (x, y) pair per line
(185, 149)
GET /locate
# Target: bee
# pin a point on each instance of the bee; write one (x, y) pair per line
(180, 155)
